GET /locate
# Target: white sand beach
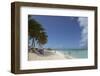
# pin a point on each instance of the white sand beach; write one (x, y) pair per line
(48, 55)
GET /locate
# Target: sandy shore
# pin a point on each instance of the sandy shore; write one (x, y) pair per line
(48, 55)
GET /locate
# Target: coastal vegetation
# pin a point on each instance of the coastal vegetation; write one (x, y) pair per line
(36, 33)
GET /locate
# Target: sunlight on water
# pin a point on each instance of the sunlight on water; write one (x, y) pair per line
(75, 53)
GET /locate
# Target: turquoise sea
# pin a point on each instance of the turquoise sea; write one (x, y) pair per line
(80, 53)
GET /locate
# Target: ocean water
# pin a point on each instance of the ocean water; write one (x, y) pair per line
(75, 53)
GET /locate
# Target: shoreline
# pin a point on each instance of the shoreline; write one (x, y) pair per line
(48, 55)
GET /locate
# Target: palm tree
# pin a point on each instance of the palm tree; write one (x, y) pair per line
(36, 32)
(34, 28)
(42, 39)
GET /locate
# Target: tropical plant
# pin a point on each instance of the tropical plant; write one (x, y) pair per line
(36, 32)
(42, 39)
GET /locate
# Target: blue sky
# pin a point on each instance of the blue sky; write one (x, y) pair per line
(62, 31)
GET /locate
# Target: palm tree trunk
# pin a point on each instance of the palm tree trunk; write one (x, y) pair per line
(33, 43)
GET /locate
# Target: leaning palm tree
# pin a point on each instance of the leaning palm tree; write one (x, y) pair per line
(42, 39)
(34, 28)
(36, 33)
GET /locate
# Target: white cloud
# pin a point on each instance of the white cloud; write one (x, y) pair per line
(83, 21)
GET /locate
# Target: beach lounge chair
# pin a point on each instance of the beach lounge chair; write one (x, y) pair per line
(36, 51)
(41, 51)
